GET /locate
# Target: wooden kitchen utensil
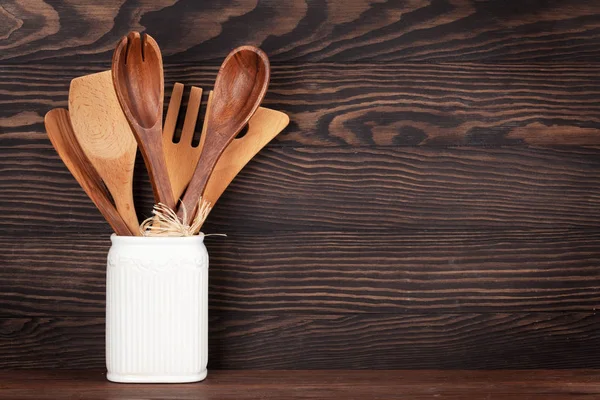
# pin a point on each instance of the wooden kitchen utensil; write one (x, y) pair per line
(137, 73)
(106, 138)
(240, 86)
(182, 157)
(264, 125)
(60, 132)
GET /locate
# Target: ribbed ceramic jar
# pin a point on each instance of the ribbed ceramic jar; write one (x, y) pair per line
(157, 309)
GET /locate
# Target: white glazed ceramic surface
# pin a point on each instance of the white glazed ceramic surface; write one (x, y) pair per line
(157, 309)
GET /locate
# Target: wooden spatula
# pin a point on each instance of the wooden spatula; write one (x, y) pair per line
(106, 138)
(264, 125)
(60, 132)
(182, 157)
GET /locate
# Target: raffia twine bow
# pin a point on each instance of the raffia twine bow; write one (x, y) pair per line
(166, 223)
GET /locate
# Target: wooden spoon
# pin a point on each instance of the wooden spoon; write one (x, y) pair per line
(137, 73)
(181, 157)
(60, 132)
(106, 138)
(240, 86)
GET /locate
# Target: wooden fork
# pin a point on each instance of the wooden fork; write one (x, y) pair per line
(182, 157)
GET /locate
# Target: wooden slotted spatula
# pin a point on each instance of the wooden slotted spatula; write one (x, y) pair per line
(60, 132)
(182, 157)
(106, 138)
(264, 125)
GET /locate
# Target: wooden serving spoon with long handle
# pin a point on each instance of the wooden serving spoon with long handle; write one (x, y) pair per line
(182, 157)
(106, 138)
(137, 72)
(239, 89)
(60, 132)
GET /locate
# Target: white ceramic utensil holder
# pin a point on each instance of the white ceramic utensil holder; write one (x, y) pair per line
(157, 309)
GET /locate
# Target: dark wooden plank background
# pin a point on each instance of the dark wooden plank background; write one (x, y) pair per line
(434, 203)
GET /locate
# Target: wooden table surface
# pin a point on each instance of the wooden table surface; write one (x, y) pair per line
(315, 384)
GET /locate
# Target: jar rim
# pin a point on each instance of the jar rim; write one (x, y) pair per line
(144, 240)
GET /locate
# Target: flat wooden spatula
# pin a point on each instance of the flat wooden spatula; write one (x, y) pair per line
(264, 125)
(240, 86)
(106, 138)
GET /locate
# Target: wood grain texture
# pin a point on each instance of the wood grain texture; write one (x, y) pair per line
(370, 104)
(341, 272)
(434, 202)
(332, 341)
(357, 189)
(320, 384)
(328, 30)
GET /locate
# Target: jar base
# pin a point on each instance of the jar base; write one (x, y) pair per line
(125, 378)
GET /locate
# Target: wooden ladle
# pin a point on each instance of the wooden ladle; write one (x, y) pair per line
(137, 72)
(239, 89)
(60, 132)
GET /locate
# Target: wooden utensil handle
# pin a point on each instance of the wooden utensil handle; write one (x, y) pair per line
(157, 169)
(126, 208)
(112, 216)
(205, 166)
